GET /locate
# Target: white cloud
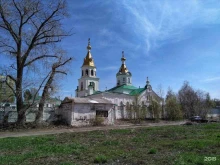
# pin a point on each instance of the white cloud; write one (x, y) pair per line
(109, 68)
(66, 91)
(112, 38)
(158, 21)
(211, 79)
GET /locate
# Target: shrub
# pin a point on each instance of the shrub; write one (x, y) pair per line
(97, 121)
(152, 151)
(100, 159)
(173, 109)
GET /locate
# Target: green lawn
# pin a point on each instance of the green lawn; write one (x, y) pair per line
(156, 145)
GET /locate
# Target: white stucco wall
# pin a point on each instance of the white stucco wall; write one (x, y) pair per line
(86, 81)
(80, 114)
(116, 99)
(120, 78)
(83, 111)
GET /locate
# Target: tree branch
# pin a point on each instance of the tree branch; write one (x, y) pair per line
(11, 78)
(61, 64)
(46, 42)
(3, 44)
(41, 85)
(8, 25)
(13, 90)
(37, 58)
(37, 33)
(62, 72)
(52, 36)
(28, 18)
(17, 8)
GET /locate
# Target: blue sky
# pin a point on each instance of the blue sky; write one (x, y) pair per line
(168, 41)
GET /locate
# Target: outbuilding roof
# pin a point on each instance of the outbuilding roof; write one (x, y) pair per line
(86, 100)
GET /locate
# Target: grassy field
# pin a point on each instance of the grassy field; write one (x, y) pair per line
(193, 144)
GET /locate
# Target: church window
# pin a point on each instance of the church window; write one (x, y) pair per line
(92, 73)
(81, 86)
(118, 82)
(116, 102)
(128, 80)
(93, 84)
(123, 79)
(127, 106)
(122, 105)
(82, 72)
(87, 72)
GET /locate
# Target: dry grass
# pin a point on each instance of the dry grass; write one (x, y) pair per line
(155, 145)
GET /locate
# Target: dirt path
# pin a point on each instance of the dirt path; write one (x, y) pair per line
(82, 129)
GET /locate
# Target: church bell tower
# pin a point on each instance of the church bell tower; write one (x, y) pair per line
(88, 83)
(123, 76)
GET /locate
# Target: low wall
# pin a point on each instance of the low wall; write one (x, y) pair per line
(48, 114)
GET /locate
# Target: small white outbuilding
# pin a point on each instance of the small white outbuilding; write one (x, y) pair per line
(80, 111)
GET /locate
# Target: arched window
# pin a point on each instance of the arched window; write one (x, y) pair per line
(122, 105)
(92, 73)
(82, 72)
(116, 102)
(95, 73)
(129, 80)
(123, 79)
(118, 82)
(81, 87)
(127, 106)
(87, 72)
(93, 84)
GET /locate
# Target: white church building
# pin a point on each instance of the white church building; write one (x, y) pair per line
(116, 99)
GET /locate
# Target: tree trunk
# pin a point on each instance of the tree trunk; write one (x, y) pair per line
(45, 93)
(19, 99)
(39, 116)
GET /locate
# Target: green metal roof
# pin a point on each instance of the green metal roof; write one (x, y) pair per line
(132, 90)
(136, 91)
(129, 87)
(96, 92)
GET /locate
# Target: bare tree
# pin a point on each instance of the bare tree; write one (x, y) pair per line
(55, 69)
(204, 103)
(173, 111)
(138, 110)
(154, 109)
(160, 93)
(188, 100)
(30, 29)
(194, 102)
